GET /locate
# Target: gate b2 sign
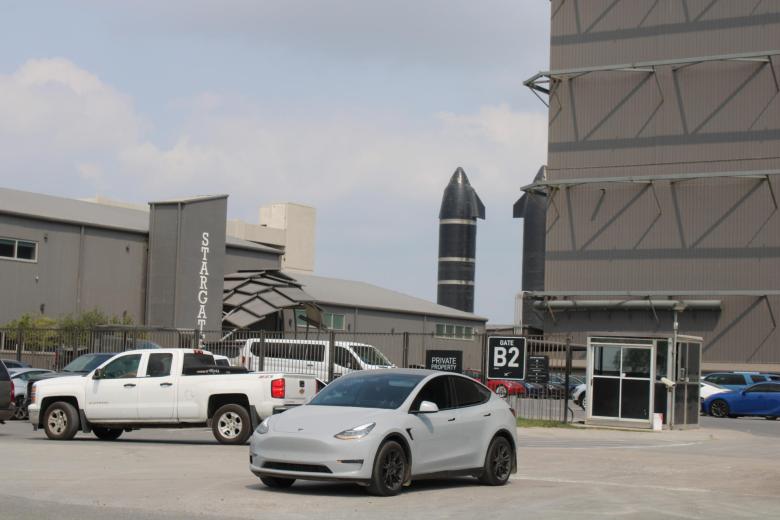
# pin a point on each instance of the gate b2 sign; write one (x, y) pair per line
(506, 357)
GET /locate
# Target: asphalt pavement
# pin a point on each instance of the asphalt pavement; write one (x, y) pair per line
(707, 473)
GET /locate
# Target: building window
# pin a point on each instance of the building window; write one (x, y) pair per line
(23, 250)
(447, 331)
(329, 320)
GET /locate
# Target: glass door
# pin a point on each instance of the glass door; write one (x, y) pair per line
(686, 390)
(621, 382)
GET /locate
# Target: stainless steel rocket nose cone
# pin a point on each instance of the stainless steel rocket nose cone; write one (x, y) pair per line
(459, 177)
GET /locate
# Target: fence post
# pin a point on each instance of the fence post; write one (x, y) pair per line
(566, 380)
(331, 350)
(405, 356)
(483, 362)
(19, 341)
(261, 361)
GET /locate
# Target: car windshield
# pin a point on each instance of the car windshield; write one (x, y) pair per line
(371, 356)
(86, 363)
(372, 390)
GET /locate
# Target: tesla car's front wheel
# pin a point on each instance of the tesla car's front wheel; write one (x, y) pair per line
(498, 462)
(389, 472)
(719, 408)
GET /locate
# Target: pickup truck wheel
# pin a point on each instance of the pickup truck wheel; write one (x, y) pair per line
(106, 434)
(61, 421)
(277, 482)
(231, 424)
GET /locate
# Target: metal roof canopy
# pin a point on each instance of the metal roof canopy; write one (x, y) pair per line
(667, 293)
(536, 82)
(541, 187)
(643, 300)
(250, 296)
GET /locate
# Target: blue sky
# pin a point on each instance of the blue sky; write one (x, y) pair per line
(361, 109)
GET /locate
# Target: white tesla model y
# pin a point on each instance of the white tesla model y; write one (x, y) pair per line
(384, 428)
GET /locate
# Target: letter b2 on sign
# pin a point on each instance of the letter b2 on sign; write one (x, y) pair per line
(506, 357)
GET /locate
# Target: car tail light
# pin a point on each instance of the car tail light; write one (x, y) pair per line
(33, 393)
(243, 361)
(13, 396)
(277, 388)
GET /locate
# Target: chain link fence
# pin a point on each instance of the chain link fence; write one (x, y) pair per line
(322, 353)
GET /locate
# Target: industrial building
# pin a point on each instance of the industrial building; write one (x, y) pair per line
(179, 264)
(657, 209)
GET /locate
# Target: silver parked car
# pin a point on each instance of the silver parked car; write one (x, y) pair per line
(384, 428)
(20, 377)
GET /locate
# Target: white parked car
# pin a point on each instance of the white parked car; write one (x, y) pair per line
(171, 387)
(308, 356)
(579, 395)
(385, 428)
(707, 389)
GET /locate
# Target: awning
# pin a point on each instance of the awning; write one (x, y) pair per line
(251, 296)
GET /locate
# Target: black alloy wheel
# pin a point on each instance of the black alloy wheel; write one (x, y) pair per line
(498, 462)
(719, 408)
(390, 469)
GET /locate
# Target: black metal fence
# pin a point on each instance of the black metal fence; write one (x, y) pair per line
(324, 354)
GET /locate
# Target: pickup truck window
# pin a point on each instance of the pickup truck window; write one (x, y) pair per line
(159, 365)
(194, 362)
(122, 367)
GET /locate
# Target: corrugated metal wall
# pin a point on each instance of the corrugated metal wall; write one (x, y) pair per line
(714, 234)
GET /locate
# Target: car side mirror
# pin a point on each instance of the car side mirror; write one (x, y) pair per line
(428, 407)
(98, 374)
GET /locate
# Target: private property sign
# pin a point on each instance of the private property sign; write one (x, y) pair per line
(506, 357)
(444, 360)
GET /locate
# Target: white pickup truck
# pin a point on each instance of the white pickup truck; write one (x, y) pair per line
(164, 388)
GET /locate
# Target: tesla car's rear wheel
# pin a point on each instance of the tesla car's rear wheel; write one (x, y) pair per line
(231, 424)
(61, 421)
(277, 482)
(106, 434)
(719, 408)
(502, 391)
(498, 462)
(390, 468)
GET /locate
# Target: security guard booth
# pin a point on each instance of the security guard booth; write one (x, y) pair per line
(632, 378)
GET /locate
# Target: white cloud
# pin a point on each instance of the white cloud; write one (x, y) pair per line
(53, 111)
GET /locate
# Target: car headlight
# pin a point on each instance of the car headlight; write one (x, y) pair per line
(263, 428)
(358, 432)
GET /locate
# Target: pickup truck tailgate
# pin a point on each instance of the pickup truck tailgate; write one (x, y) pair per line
(294, 389)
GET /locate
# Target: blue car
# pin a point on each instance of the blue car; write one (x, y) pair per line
(762, 400)
(736, 380)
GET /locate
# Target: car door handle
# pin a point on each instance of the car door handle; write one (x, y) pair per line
(487, 414)
(130, 385)
(166, 384)
(450, 420)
